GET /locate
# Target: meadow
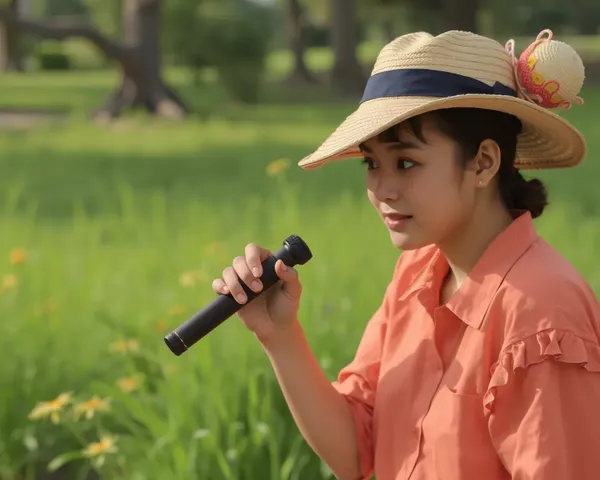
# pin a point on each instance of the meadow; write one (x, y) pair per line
(110, 237)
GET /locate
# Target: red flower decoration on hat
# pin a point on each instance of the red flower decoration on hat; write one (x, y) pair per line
(548, 73)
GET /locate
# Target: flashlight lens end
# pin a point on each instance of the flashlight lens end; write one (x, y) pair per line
(175, 344)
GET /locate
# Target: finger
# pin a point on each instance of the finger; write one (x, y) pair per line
(255, 255)
(233, 284)
(291, 282)
(243, 271)
(218, 285)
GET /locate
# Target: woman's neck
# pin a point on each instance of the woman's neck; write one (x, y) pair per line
(463, 250)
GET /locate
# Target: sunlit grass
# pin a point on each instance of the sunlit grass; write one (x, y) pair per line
(110, 238)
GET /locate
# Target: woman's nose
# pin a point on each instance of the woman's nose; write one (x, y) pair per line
(387, 187)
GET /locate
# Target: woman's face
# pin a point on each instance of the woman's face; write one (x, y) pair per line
(420, 190)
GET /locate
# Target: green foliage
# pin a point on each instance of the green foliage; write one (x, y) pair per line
(64, 7)
(232, 37)
(51, 56)
(106, 15)
(112, 217)
(83, 55)
(318, 10)
(316, 36)
(514, 17)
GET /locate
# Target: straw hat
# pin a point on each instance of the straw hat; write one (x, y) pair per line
(419, 73)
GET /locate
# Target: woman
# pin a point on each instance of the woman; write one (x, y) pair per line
(483, 360)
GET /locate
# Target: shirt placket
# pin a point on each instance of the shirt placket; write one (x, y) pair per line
(433, 375)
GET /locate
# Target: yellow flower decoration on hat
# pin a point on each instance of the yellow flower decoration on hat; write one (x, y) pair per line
(549, 73)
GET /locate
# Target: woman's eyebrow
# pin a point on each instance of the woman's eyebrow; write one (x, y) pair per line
(405, 145)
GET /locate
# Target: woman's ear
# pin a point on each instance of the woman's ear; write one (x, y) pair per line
(486, 163)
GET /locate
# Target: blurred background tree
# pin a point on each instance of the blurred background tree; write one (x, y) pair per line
(230, 41)
(230, 36)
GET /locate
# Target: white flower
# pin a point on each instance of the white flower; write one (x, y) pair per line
(201, 433)
(262, 428)
(30, 442)
(326, 362)
(231, 454)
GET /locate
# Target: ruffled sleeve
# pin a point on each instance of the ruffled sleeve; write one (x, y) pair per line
(542, 407)
(560, 346)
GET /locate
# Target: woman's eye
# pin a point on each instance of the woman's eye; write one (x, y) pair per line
(369, 163)
(402, 164)
(405, 164)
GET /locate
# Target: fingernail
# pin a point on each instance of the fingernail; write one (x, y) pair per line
(225, 290)
(256, 285)
(241, 297)
(256, 271)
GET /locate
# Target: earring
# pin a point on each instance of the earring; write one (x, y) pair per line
(481, 182)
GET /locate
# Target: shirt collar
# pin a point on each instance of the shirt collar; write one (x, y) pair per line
(472, 300)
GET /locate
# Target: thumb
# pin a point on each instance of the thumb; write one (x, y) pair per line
(291, 283)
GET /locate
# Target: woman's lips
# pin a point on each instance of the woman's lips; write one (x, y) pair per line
(396, 221)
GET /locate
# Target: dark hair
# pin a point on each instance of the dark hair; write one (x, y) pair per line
(469, 127)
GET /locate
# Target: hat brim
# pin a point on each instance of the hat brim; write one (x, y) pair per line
(547, 140)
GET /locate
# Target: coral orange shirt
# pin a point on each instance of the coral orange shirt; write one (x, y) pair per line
(502, 382)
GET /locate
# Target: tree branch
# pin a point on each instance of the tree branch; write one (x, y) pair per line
(63, 30)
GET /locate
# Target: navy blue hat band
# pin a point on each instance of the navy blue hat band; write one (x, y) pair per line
(418, 82)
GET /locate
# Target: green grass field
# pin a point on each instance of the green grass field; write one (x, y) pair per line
(124, 227)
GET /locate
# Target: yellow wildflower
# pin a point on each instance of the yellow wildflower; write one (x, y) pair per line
(278, 166)
(124, 346)
(189, 279)
(161, 326)
(8, 281)
(17, 256)
(177, 310)
(93, 405)
(217, 251)
(48, 307)
(213, 247)
(107, 444)
(52, 408)
(129, 384)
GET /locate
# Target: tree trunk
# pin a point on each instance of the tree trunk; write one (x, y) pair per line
(294, 20)
(11, 57)
(347, 75)
(461, 14)
(142, 84)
